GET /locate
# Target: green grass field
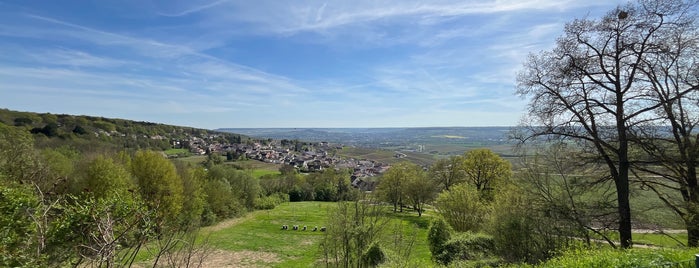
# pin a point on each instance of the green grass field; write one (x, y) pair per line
(176, 151)
(260, 232)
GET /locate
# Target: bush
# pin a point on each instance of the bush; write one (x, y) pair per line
(520, 235)
(467, 246)
(17, 227)
(271, 201)
(438, 235)
(462, 208)
(373, 256)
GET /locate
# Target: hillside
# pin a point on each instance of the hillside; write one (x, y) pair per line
(90, 133)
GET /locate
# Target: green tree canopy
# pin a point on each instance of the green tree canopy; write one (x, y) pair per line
(485, 169)
(462, 207)
(159, 183)
(104, 178)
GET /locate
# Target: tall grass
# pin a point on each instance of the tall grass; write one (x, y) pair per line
(636, 258)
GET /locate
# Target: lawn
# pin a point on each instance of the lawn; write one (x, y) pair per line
(176, 152)
(260, 232)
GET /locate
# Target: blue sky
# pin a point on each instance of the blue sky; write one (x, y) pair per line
(219, 63)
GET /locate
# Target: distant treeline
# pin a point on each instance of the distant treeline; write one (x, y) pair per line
(85, 133)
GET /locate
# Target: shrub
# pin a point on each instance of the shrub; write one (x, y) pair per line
(271, 201)
(462, 208)
(467, 246)
(519, 234)
(438, 235)
(373, 256)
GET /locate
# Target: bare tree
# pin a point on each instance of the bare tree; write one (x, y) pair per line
(670, 140)
(589, 88)
(448, 171)
(560, 191)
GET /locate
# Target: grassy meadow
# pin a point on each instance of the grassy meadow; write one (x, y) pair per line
(257, 239)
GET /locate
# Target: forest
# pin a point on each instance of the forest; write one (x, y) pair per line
(605, 177)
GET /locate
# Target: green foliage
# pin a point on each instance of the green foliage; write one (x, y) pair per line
(328, 185)
(50, 130)
(405, 183)
(448, 171)
(419, 190)
(485, 170)
(220, 199)
(79, 130)
(520, 233)
(439, 233)
(466, 246)
(97, 134)
(352, 228)
(271, 201)
(244, 187)
(159, 184)
(193, 181)
(23, 121)
(623, 258)
(463, 208)
(104, 178)
(18, 159)
(97, 228)
(17, 248)
(373, 256)
(60, 161)
(106, 126)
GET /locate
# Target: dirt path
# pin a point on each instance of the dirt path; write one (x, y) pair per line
(211, 257)
(227, 223)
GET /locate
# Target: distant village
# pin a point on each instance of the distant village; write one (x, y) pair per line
(306, 157)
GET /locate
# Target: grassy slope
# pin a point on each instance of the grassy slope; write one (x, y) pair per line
(261, 231)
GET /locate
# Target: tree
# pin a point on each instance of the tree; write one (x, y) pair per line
(448, 171)
(193, 181)
(23, 121)
(392, 185)
(670, 140)
(159, 184)
(16, 226)
(588, 88)
(462, 207)
(353, 227)
(419, 190)
(560, 190)
(484, 169)
(106, 178)
(18, 159)
(79, 130)
(438, 235)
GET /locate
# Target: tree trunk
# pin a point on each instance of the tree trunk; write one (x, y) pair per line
(692, 224)
(622, 189)
(692, 217)
(622, 178)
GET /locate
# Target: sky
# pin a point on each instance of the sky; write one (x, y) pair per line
(254, 64)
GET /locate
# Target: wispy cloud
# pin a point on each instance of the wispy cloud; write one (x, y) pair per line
(195, 9)
(218, 63)
(301, 16)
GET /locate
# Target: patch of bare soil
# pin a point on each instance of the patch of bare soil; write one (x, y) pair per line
(222, 258)
(217, 258)
(225, 224)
